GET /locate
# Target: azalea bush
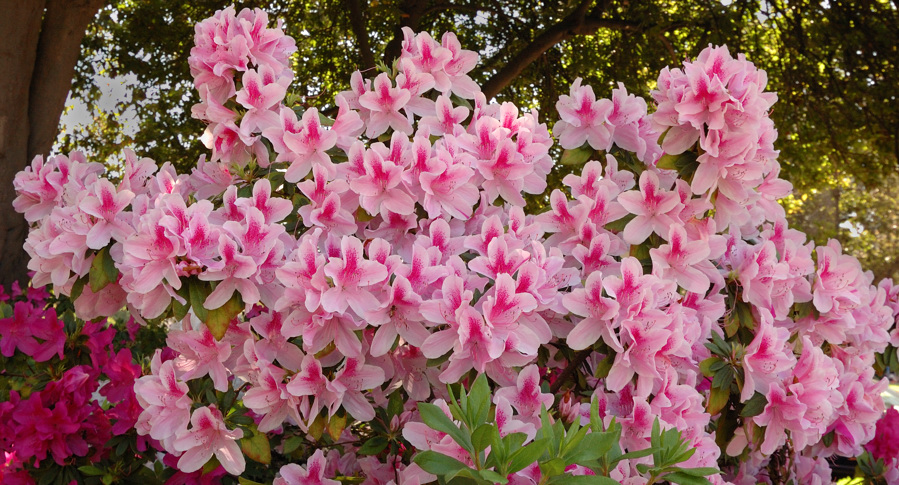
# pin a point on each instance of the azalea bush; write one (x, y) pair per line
(365, 295)
(69, 408)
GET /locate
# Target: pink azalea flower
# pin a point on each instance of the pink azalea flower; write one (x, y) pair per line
(644, 341)
(507, 423)
(200, 354)
(312, 474)
(164, 399)
(399, 316)
(782, 412)
(766, 357)
(346, 389)
(273, 209)
(105, 204)
(327, 208)
(447, 187)
(678, 260)
(310, 381)
(270, 399)
(385, 102)
(599, 315)
(379, 187)
(584, 119)
(652, 205)
(209, 436)
(526, 397)
(351, 276)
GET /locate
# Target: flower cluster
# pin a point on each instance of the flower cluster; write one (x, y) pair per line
(68, 396)
(319, 291)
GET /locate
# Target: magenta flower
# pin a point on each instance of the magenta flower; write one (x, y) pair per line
(209, 436)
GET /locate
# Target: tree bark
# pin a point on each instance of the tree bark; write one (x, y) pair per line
(360, 30)
(37, 62)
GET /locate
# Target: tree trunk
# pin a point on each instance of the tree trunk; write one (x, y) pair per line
(42, 41)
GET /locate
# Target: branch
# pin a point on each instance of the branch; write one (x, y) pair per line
(357, 23)
(576, 23)
(65, 22)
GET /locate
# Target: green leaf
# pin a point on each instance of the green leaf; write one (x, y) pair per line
(437, 463)
(667, 160)
(479, 401)
(593, 447)
(555, 466)
(718, 399)
(493, 476)
(573, 439)
(91, 471)
(395, 404)
(619, 224)
(291, 444)
(484, 436)
(336, 425)
(103, 271)
(210, 465)
(434, 418)
(374, 446)
(219, 319)
(706, 366)
(636, 454)
(698, 472)
(257, 447)
(523, 457)
(682, 478)
(723, 378)
(577, 156)
(754, 406)
(198, 291)
(77, 289)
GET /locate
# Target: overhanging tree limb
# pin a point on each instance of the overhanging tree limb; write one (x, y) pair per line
(576, 23)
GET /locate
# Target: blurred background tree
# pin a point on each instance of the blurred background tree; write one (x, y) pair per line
(834, 66)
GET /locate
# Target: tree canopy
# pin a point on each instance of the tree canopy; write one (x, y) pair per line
(833, 64)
